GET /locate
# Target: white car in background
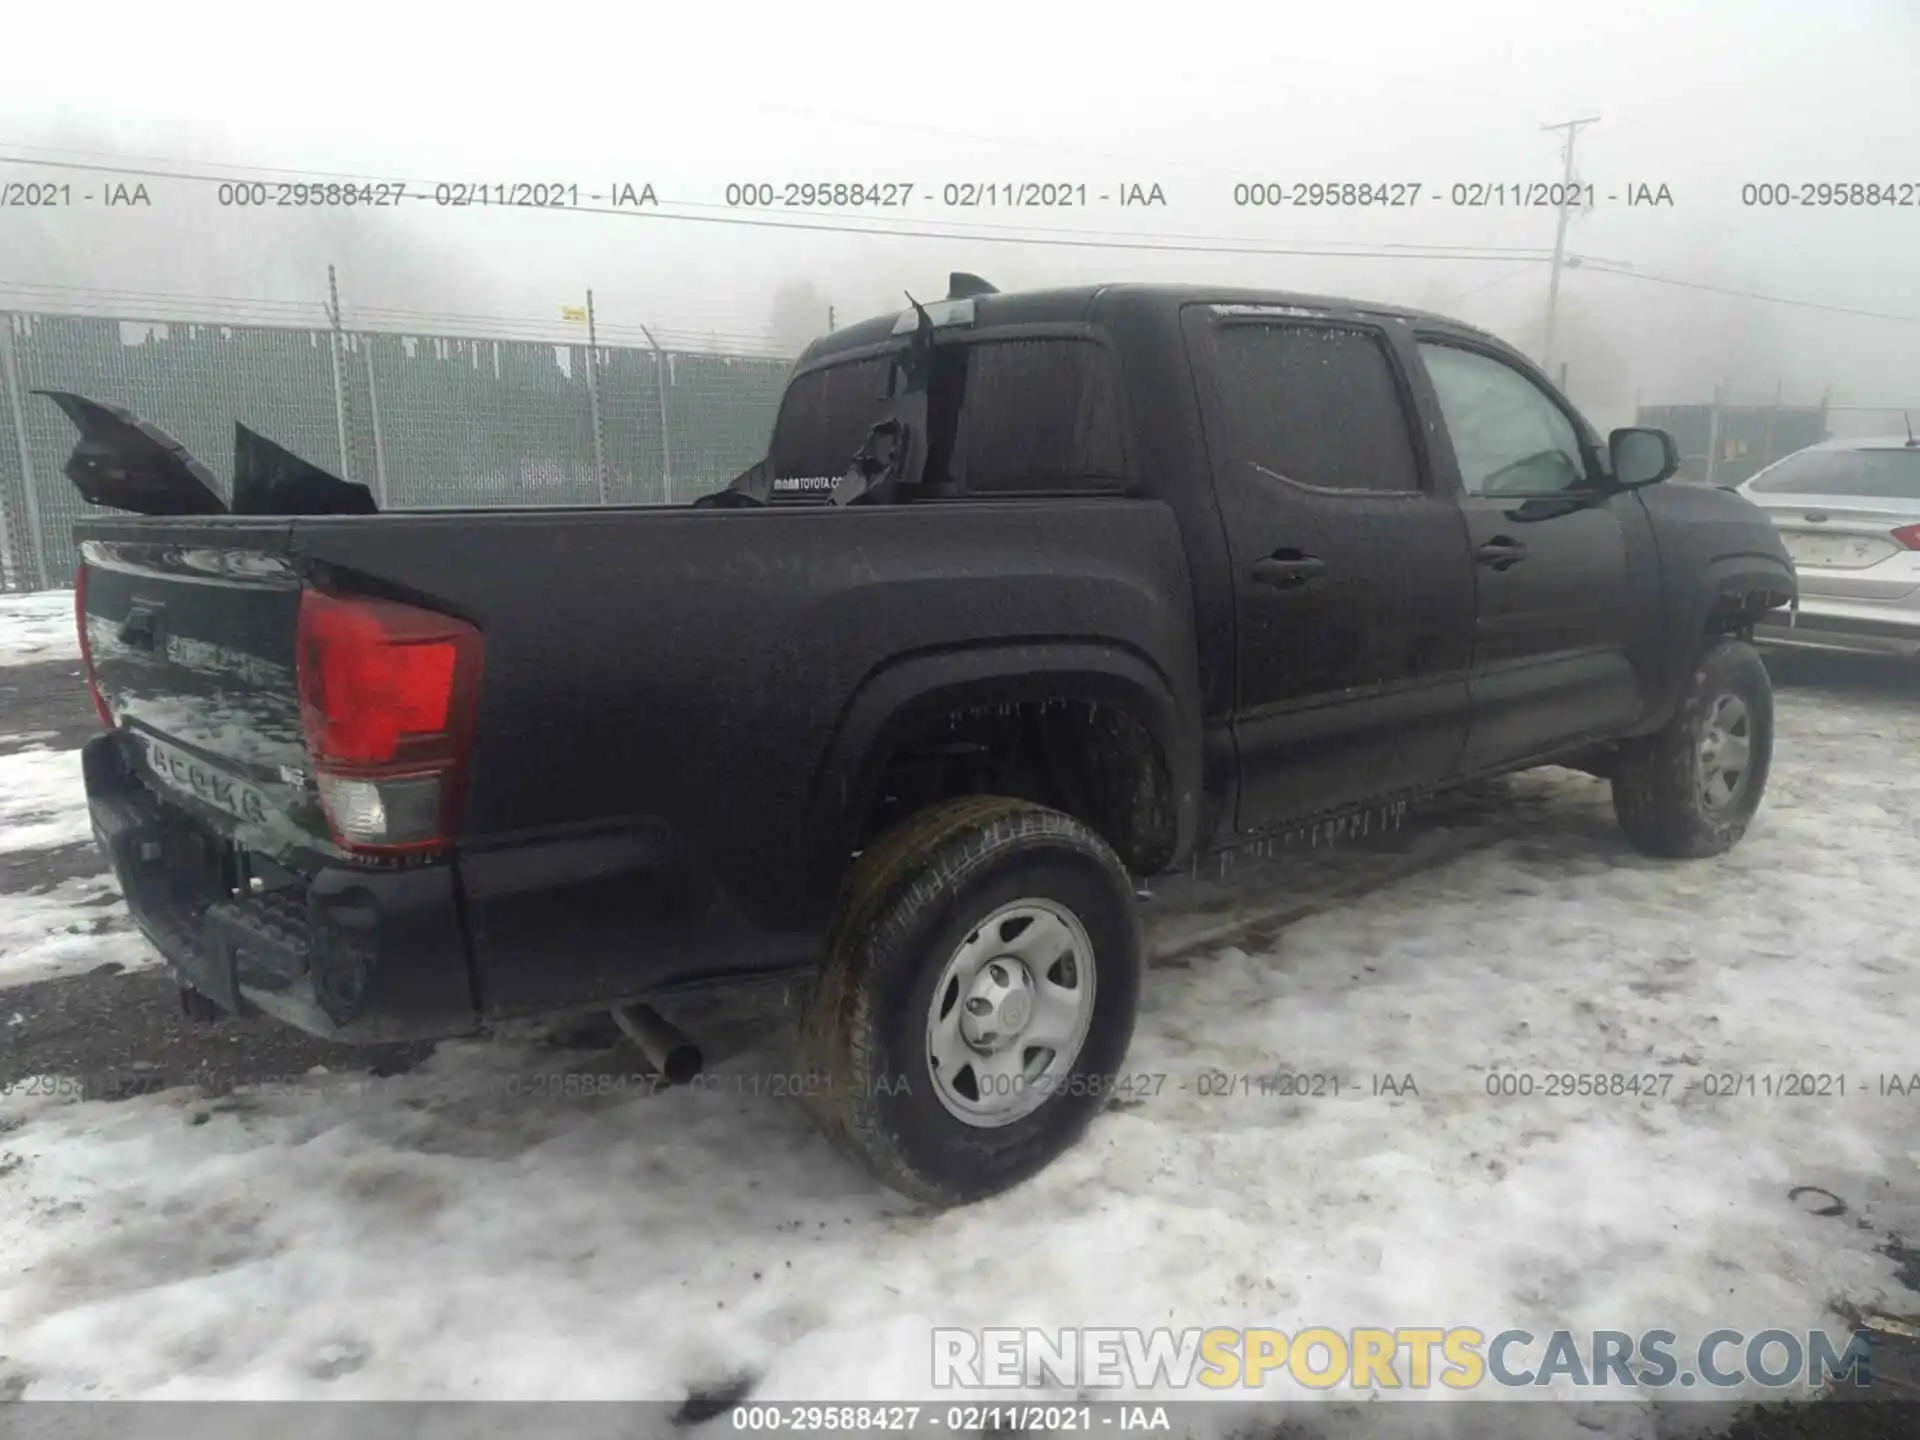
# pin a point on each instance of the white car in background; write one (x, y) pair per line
(1848, 512)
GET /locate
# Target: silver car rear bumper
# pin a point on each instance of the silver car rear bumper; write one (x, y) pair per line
(1843, 625)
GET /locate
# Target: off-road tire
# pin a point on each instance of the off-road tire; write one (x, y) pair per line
(1657, 778)
(909, 902)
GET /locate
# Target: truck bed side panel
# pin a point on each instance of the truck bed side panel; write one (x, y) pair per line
(661, 688)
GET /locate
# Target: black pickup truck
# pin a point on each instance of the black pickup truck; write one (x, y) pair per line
(1033, 595)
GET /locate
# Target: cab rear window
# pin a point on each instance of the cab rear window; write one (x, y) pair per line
(1007, 416)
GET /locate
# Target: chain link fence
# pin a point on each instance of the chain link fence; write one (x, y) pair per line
(427, 421)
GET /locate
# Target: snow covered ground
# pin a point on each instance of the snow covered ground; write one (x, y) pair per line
(462, 1231)
(38, 804)
(74, 926)
(36, 628)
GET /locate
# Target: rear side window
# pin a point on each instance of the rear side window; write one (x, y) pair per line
(1038, 415)
(1875, 474)
(1008, 416)
(1317, 406)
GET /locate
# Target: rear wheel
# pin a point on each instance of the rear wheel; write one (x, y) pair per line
(1691, 789)
(981, 981)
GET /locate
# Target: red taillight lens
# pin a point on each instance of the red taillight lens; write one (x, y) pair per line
(86, 646)
(1909, 536)
(386, 697)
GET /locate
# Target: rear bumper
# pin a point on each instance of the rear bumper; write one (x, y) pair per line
(1844, 625)
(351, 955)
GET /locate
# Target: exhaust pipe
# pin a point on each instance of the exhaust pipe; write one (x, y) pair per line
(200, 1008)
(667, 1049)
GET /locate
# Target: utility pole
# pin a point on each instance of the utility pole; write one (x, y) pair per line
(1572, 127)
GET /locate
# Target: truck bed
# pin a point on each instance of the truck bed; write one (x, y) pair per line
(675, 705)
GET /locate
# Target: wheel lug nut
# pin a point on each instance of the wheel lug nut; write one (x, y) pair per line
(999, 973)
(978, 1005)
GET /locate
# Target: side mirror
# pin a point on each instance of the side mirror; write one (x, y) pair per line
(1641, 456)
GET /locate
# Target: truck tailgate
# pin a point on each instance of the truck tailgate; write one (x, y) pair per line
(192, 642)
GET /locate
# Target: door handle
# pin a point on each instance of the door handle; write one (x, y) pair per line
(1501, 553)
(1287, 568)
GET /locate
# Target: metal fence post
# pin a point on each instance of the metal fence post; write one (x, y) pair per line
(339, 374)
(666, 448)
(10, 578)
(1713, 437)
(36, 537)
(593, 405)
(1774, 411)
(373, 416)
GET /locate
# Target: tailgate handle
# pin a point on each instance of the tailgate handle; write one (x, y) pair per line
(141, 629)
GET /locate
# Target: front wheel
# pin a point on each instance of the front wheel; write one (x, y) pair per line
(980, 983)
(1691, 789)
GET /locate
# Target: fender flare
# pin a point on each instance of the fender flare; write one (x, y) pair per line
(1731, 581)
(1727, 584)
(909, 690)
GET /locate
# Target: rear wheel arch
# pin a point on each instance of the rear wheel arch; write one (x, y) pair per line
(1106, 720)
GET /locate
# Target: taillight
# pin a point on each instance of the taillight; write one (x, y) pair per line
(86, 647)
(387, 695)
(1909, 536)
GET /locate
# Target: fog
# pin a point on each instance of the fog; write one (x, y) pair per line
(1699, 98)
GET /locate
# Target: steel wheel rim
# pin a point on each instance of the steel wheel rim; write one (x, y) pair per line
(1010, 1013)
(1726, 752)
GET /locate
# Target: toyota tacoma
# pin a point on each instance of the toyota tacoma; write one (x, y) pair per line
(1032, 596)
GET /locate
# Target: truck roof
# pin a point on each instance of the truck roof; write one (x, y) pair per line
(1071, 303)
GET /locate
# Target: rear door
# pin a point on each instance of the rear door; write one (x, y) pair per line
(1552, 624)
(1352, 585)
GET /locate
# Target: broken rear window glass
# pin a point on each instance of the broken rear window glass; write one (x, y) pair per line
(1009, 416)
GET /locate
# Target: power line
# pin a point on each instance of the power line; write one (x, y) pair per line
(880, 226)
(1614, 267)
(1455, 296)
(1062, 237)
(368, 179)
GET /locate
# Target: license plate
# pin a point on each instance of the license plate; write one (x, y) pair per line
(1838, 552)
(181, 772)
